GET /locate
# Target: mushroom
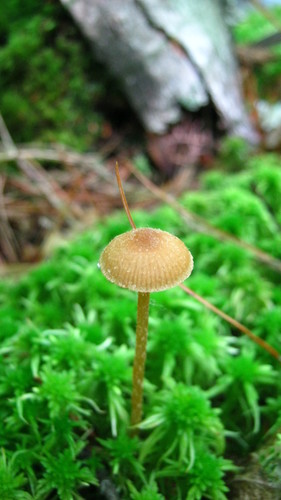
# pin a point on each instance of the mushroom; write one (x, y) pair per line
(144, 260)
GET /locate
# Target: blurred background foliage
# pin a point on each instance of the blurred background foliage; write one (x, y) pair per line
(50, 87)
(254, 28)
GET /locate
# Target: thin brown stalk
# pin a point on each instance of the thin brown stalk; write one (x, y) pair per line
(262, 343)
(123, 197)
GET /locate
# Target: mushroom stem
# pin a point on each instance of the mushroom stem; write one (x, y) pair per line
(139, 361)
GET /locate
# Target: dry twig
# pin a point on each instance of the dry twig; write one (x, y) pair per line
(57, 155)
(9, 243)
(262, 343)
(54, 194)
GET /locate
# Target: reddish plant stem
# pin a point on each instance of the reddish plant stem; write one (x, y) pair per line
(262, 343)
(123, 196)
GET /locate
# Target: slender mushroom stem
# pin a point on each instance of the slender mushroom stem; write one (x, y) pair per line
(134, 252)
(139, 361)
(141, 332)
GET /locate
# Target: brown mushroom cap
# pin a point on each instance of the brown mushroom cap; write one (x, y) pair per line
(146, 260)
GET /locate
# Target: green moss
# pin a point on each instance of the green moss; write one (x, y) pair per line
(50, 86)
(67, 346)
(11, 481)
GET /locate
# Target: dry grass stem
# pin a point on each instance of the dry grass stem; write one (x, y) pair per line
(264, 345)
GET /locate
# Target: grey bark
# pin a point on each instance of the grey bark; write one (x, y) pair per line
(168, 55)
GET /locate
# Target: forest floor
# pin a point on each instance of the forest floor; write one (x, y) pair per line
(60, 145)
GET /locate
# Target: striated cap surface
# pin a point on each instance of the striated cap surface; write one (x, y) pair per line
(146, 260)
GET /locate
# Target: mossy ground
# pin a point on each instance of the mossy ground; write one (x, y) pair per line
(211, 395)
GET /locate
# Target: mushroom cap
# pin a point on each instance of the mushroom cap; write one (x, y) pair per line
(146, 260)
